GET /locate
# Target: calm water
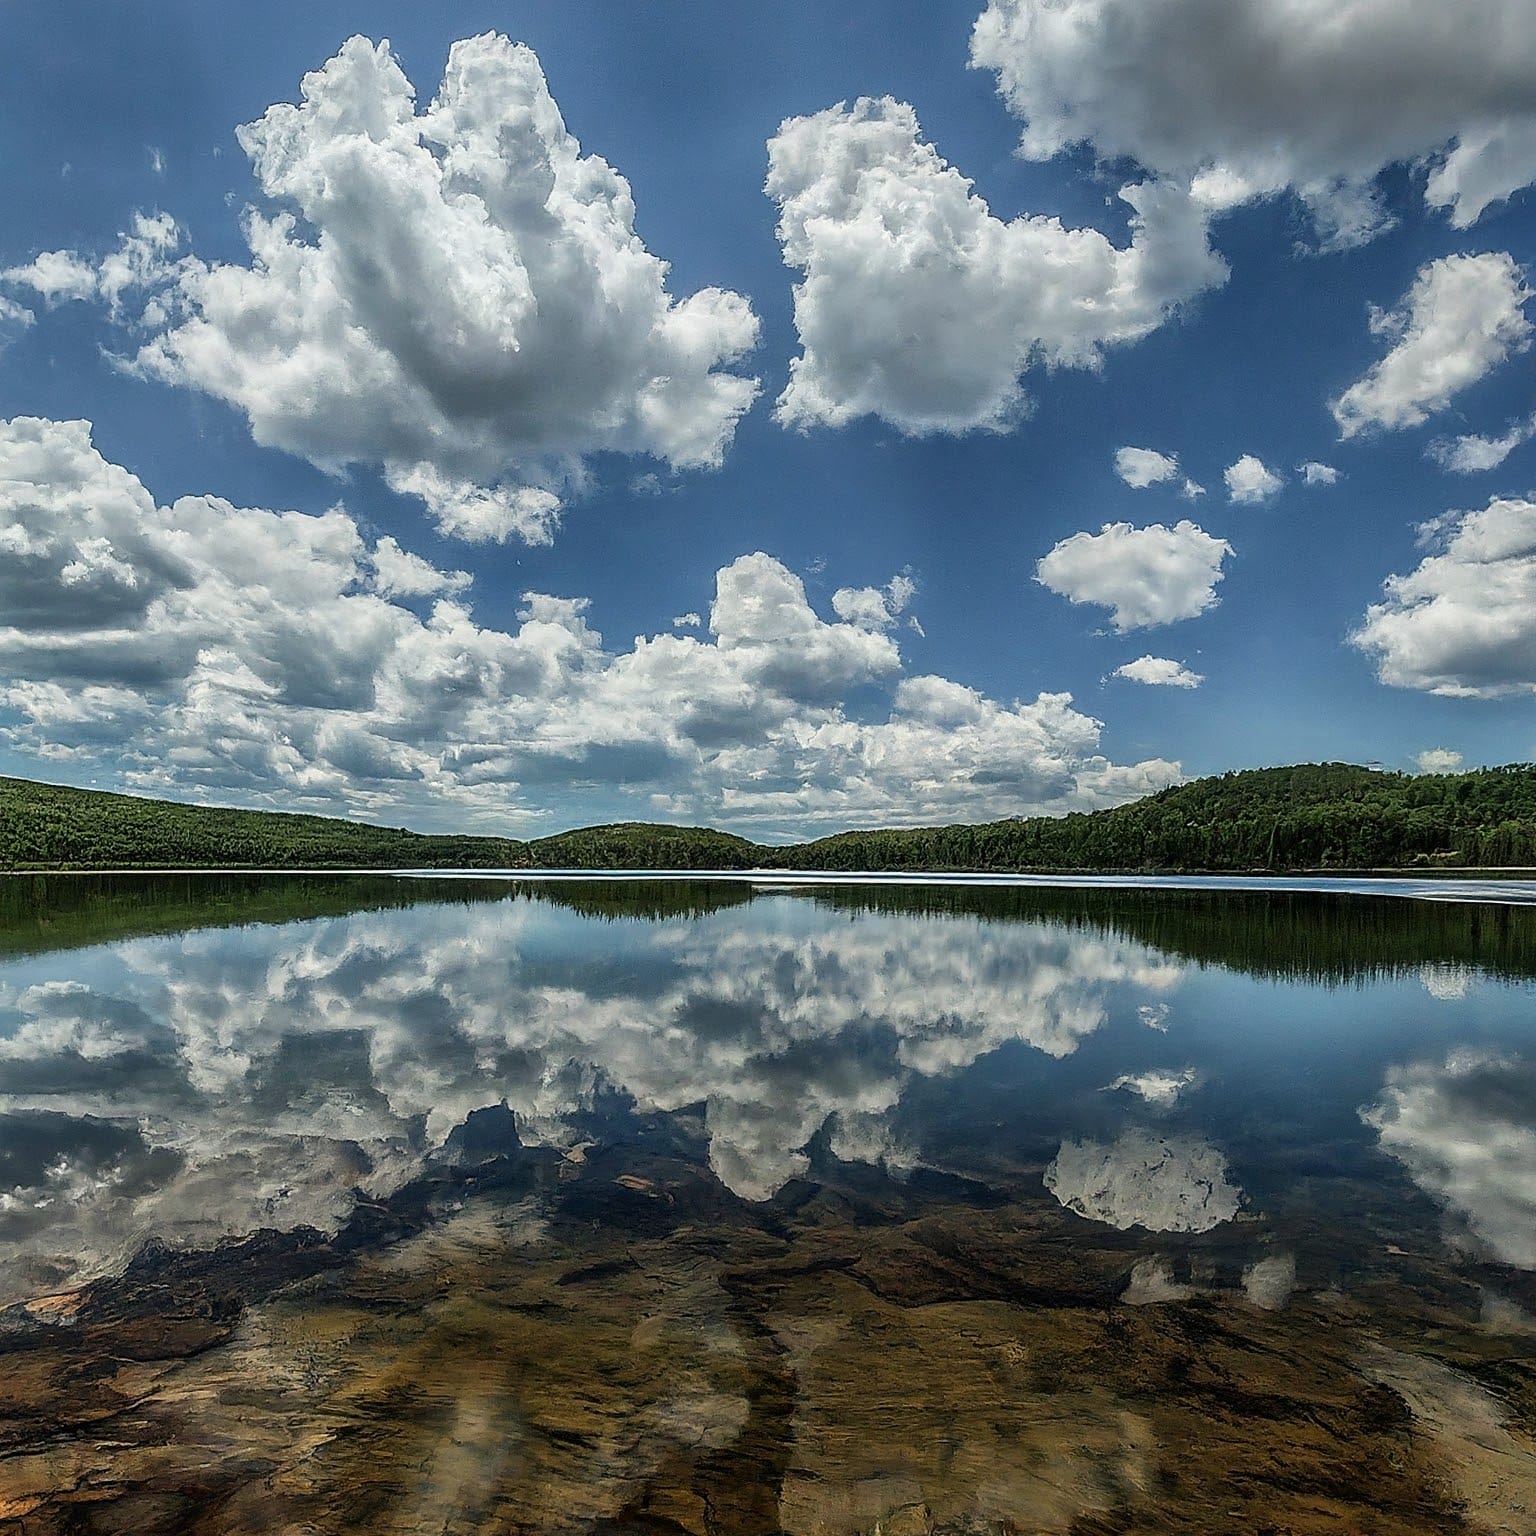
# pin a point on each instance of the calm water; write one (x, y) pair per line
(686, 1206)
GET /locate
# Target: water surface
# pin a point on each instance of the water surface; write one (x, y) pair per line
(599, 1205)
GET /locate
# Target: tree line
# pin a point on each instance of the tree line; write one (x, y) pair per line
(1320, 816)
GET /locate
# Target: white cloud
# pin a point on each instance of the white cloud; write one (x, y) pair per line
(688, 620)
(917, 305)
(1159, 672)
(1315, 473)
(1471, 455)
(13, 319)
(1141, 467)
(1147, 576)
(1243, 99)
(1437, 760)
(1464, 622)
(1461, 318)
(874, 607)
(270, 657)
(457, 295)
(141, 261)
(1250, 481)
(398, 573)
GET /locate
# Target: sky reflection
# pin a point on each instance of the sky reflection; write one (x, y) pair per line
(219, 1081)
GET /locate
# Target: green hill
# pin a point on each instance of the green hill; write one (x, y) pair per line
(49, 826)
(1315, 816)
(645, 845)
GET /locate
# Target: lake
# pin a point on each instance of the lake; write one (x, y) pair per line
(356, 1204)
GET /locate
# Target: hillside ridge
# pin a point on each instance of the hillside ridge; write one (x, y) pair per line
(1306, 816)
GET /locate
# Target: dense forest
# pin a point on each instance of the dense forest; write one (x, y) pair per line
(643, 845)
(48, 826)
(1316, 816)
(1327, 816)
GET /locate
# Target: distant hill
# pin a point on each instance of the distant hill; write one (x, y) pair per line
(1314, 816)
(645, 845)
(49, 826)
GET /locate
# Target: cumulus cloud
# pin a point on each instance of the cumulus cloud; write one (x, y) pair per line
(399, 573)
(142, 260)
(1243, 100)
(1472, 455)
(918, 306)
(457, 295)
(1159, 672)
(1141, 467)
(1461, 318)
(874, 607)
(1250, 481)
(1315, 473)
(1464, 621)
(689, 620)
(1145, 576)
(275, 657)
(1437, 760)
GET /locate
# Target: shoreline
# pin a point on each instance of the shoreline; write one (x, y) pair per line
(1509, 886)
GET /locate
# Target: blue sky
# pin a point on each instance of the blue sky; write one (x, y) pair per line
(474, 358)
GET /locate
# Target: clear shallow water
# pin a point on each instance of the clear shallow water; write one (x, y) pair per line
(1312, 1113)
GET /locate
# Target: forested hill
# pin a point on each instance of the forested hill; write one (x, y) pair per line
(48, 826)
(1316, 816)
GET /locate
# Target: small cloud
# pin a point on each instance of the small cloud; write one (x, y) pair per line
(1315, 473)
(1471, 455)
(14, 318)
(648, 484)
(1192, 489)
(1251, 481)
(915, 625)
(156, 161)
(1462, 317)
(1159, 672)
(1141, 467)
(1146, 576)
(1438, 760)
(874, 607)
(686, 621)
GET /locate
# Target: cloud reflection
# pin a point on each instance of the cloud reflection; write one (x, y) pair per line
(1465, 1129)
(261, 1077)
(1174, 1183)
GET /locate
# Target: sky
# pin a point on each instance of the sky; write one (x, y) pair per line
(508, 417)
